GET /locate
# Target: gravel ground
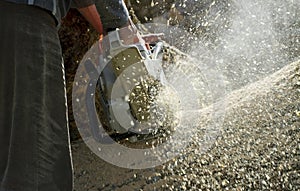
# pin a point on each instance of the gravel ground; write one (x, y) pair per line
(258, 147)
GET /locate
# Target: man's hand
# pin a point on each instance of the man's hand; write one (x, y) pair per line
(152, 38)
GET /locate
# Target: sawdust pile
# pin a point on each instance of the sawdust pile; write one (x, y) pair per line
(257, 149)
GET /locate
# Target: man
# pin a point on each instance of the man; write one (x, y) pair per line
(34, 140)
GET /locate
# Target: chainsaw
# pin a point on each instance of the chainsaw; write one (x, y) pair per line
(128, 77)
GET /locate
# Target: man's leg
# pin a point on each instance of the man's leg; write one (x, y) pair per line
(34, 145)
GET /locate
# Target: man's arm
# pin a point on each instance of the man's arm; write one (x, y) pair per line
(91, 14)
(89, 11)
